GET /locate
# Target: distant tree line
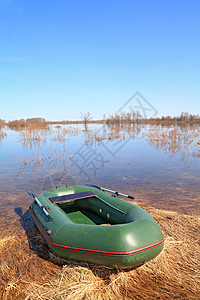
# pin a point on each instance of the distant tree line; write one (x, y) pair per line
(136, 117)
(22, 123)
(2, 123)
(117, 118)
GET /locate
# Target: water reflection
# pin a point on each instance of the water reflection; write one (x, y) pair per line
(3, 134)
(184, 141)
(44, 157)
(32, 137)
(50, 156)
(44, 160)
(110, 132)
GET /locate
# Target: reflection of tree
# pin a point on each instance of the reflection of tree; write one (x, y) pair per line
(176, 140)
(112, 132)
(132, 130)
(87, 117)
(2, 134)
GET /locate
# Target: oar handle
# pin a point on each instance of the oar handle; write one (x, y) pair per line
(110, 191)
(40, 205)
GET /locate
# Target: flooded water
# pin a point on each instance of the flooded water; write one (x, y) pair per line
(160, 166)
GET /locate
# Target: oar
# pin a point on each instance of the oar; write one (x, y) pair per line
(40, 205)
(110, 191)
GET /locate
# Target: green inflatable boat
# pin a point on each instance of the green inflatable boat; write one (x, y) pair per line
(89, 224)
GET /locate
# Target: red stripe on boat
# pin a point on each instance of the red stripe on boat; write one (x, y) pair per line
(99, 252)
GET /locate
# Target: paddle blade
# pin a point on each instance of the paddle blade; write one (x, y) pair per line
(31, 194)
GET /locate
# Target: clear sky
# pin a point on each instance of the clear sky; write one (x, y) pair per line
(61, 58)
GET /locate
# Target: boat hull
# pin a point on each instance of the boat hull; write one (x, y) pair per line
(129, 238)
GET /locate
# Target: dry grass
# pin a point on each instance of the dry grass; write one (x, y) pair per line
(174, 274)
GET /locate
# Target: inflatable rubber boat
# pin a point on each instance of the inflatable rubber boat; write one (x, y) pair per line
(89, 224)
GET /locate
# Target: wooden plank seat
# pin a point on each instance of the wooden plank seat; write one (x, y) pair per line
(75, 196)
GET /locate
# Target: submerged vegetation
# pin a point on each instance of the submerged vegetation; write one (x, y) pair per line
(30, 271)
(2, 134)
(175, 140)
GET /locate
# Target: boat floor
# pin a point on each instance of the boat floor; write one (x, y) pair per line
(85, 217)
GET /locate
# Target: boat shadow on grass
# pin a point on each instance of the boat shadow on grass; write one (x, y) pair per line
(35, 240)
(39, 246)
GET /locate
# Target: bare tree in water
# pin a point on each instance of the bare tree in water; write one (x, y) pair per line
(86, 117)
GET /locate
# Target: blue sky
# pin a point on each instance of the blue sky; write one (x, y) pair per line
(61, 58)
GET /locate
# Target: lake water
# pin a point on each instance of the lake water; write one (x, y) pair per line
(160, 166)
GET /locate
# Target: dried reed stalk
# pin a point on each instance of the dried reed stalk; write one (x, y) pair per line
(174, 274)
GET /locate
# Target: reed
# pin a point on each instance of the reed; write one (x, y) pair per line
(174, 274)
(175, 141)
(49, 159)
(2, 134)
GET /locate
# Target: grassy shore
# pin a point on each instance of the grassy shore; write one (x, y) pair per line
(29, 274)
